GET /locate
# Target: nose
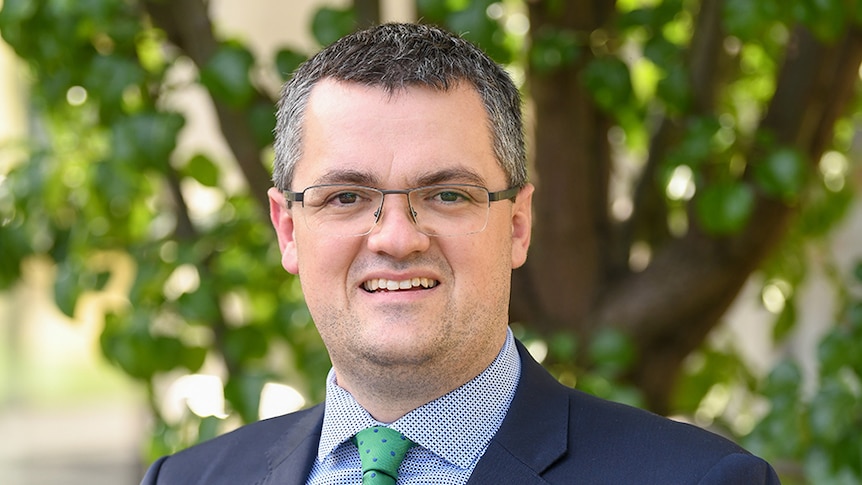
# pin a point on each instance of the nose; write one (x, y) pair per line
(396, 233)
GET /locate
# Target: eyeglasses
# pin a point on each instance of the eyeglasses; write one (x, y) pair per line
(436, 210)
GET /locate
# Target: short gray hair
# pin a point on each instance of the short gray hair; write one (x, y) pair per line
(394, 57)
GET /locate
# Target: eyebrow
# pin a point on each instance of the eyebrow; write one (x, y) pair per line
(346, 177)
(449, 175)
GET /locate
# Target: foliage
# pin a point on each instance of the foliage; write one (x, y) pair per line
(103, 174)
(104, 179)
(819, 427)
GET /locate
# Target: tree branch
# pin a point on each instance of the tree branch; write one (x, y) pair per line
(691, 282)
(187, 25)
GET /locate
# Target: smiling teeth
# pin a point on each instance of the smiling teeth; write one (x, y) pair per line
(391, 285)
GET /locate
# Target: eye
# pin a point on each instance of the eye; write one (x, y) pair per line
(450, 195)
(344, 198)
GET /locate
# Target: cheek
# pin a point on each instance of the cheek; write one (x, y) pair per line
(324, 261)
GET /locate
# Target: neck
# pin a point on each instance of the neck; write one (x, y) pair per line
(389, 391)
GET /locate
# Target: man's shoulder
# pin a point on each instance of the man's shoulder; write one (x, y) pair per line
(247, 452)
(613, 421)
(602, 441)
(254, 436)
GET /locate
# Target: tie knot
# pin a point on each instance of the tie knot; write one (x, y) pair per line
(381, 451)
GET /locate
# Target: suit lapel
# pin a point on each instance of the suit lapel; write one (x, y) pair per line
(292, 456)
(534, 434)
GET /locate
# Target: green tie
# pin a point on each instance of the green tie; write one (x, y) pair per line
(381, 450)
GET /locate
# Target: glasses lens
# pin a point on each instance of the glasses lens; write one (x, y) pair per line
(438, 210)
(341, 210)
(450, 210)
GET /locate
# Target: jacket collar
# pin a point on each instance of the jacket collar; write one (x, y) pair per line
(292, 456)
(534, 434)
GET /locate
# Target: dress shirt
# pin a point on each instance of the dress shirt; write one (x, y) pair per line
(452, 432)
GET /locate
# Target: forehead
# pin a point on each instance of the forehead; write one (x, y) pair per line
(401, 138)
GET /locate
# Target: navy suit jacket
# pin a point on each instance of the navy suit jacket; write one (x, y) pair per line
(551, 435)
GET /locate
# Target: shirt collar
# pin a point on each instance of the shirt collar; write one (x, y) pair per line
(457, 426)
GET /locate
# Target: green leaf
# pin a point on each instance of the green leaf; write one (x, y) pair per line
(146, 139)
(16, 11)
(749, 20)
(696, 145)
(286, 61)
(109, 76)
(784, 379)
(200, 307)
(782, 173)
(661, 51)
(785, 322)
(126, 341)
(194, 357)
(433, 11)
(725, 208)
(563, 346)
(609, 81)
(67, 288)
(611, 351)
(262, 120)
(827, 19)
(331, 24)
(226, 75)
(553, 49)
(209, 428)
(674, 89)
(835, 351)
(245, 343)
(857, 272)
(202, 169)
(243, 392)
(16, 246)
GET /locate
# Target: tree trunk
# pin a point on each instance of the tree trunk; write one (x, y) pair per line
(576, 278)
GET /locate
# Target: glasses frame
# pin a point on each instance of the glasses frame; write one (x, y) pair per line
(505, 194)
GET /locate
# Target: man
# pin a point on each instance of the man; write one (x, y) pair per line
(402, 204)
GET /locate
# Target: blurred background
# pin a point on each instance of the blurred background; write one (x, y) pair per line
(697, 249)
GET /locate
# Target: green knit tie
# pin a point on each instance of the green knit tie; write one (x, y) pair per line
(381, 450)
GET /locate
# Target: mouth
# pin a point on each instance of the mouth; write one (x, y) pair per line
(382, 284)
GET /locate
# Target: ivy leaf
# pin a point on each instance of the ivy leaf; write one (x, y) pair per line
(262, 121)
(243, 390)
(785, 322)
(146, 139)
(612, 351)
(109, 77)
(725, 208)
(834, 352)
(609, 81)
(226, 75)
(696, 144)
(16, 246)
(782, 173)
(661, 51)
(553, 49)
(202, 169)
(331, 24)
(674, 88)
(67, 289)
(245, 343)
(286, 61)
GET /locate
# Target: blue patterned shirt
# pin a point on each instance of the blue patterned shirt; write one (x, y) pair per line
(452, 432)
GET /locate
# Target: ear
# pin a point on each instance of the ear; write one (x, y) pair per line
(283, 222)
(522, 225)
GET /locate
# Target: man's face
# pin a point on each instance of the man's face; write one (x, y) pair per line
(361, 135)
